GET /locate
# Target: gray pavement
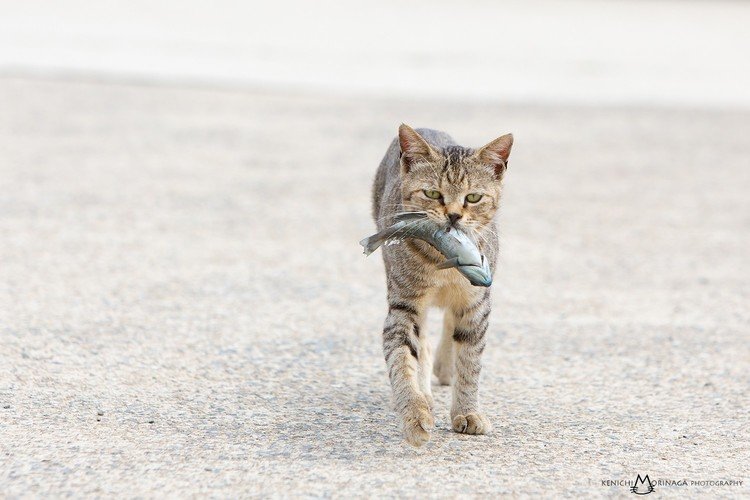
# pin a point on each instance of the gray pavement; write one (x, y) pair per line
(185, 311)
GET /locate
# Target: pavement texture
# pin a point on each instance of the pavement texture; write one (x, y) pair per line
(185, 311)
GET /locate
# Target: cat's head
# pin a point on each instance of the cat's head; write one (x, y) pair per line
(455, 185)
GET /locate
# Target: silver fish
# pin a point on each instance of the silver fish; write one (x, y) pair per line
(460, 250)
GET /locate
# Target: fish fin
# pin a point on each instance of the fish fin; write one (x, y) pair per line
(449, 263)
(410, 216)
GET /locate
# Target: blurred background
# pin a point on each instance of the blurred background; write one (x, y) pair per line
(185, 310)
(645, 52)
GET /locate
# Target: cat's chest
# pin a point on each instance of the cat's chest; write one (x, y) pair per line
(451, 289)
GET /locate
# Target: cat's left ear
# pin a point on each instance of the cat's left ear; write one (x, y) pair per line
(496, 154)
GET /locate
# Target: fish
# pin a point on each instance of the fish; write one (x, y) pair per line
(456, 246)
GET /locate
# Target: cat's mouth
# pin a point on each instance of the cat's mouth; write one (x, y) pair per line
(455, 225)
(447, 225)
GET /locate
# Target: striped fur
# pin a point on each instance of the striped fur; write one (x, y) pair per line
(430, 160)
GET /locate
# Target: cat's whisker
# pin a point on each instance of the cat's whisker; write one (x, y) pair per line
(401, 204)
(396, 214)
(476, 236)
(477, 231)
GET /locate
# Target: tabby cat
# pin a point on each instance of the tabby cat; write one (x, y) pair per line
(425, 170)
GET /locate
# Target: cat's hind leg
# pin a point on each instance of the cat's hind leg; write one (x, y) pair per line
(443, 366)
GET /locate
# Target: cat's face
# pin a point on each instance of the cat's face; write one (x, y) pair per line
(456, 186)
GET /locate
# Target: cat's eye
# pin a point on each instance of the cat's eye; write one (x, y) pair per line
(473, 197)
(432, 194)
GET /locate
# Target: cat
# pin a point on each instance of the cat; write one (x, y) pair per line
(425, 170)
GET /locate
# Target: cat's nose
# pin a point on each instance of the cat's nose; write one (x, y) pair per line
(453, 217)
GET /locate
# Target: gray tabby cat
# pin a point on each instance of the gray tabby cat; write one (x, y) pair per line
(425, 170)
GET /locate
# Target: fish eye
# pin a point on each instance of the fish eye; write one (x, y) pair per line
(473, 197)
(432, 194)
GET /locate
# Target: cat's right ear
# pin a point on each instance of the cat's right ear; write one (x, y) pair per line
(414, 149)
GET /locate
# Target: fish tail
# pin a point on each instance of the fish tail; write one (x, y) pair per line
(371, 243)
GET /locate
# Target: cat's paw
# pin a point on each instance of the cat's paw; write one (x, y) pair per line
(443, 370)
(471, 423)
(418, 423)
(430, 401)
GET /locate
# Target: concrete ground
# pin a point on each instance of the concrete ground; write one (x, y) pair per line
(185, 311)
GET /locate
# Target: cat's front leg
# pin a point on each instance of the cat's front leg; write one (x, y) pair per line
(468, 343)
(401, 347)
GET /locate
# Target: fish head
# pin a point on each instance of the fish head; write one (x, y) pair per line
(480, 275)
(467, 252)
